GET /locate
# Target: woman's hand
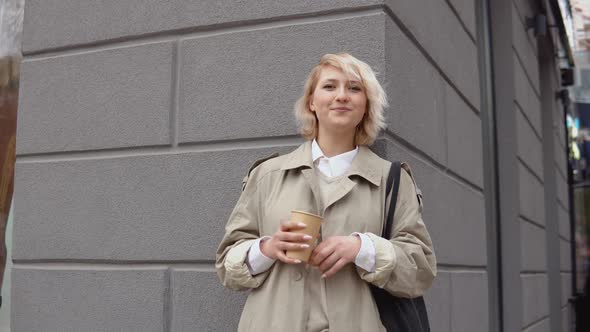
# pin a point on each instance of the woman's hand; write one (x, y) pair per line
(335, 252)
(284, 239)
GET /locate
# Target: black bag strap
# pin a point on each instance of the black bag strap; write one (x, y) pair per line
(394, 174)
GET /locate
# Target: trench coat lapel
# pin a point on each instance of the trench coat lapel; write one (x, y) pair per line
(364, 165)
(301, 159)
(345, 187)
(312, 180)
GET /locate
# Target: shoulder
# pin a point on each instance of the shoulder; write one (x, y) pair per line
(407, 172)
(264, 167)
(267, 165)
(408, 181)
(408, 184)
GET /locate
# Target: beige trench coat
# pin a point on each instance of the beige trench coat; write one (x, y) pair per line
(405, 265)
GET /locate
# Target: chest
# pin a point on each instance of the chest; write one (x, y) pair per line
(347, 205)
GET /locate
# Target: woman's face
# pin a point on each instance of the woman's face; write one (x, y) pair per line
(339, 103)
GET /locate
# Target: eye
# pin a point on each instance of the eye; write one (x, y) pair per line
(356, 88)
(328, 86)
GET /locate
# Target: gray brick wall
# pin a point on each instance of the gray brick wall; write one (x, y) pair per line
(101, 99)
(199, 304)
(88, 298)
(256, 77)
(536, 226)
(531, 195)
(535, 298)
(532, 247)
(138, 120)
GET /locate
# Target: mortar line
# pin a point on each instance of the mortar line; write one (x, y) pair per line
(532, 222)
(560, 203)
(203, 31)
(448, 267)
(535, 322)
(71, 264)
(429, 58)
(460, 19)
(523, 26)
(533, 272)
(558, 170)
(526, 73)
(530, 170)
(204, 146)
(422, 156)
(520, 109)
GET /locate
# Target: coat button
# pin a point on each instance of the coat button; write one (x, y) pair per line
(298, 275)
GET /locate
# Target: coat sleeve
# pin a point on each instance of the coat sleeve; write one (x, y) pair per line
(405, 265)
(241, 231)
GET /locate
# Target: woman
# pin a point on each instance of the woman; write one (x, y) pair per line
(335, 175)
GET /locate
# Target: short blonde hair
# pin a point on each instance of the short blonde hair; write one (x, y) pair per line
(373, 120)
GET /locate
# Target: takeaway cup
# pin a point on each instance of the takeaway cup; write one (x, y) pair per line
(312, 223)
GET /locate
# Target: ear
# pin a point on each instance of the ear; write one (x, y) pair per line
(311, 107)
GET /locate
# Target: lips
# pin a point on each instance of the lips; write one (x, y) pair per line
(341, 109)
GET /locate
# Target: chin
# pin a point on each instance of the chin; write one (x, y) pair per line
(344, 129)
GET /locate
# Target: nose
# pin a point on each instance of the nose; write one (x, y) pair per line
(342, 94)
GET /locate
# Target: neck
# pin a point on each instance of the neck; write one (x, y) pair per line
(335, 144)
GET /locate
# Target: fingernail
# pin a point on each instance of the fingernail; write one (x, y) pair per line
(307, 237)
(323, 276)
(301, 224)
(297, 261)
(304, 246)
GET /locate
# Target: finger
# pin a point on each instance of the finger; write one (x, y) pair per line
(291, 246)
(291, 225)
(315, 253)
(320, 253)
(328, 262)
(293, 237)
(335, 268)
(283, 258)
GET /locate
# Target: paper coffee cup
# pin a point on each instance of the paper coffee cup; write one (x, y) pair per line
(313, 223)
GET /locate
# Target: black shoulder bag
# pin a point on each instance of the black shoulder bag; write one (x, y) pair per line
(398, 314)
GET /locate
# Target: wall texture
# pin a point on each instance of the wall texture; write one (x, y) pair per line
(532, 218)
(138, 120)
(544, 210)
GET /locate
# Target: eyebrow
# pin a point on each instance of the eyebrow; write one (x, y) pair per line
(333, 79)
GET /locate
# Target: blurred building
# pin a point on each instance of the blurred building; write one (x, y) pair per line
(11, 17)
(580, 10)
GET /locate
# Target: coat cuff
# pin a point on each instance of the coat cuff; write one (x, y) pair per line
(258, 262)
(365, 258)
(385, 262)
(238, 275)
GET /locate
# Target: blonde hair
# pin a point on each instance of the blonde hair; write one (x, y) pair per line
(373, 120)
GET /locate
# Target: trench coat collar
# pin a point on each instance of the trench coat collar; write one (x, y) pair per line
(365, 164)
